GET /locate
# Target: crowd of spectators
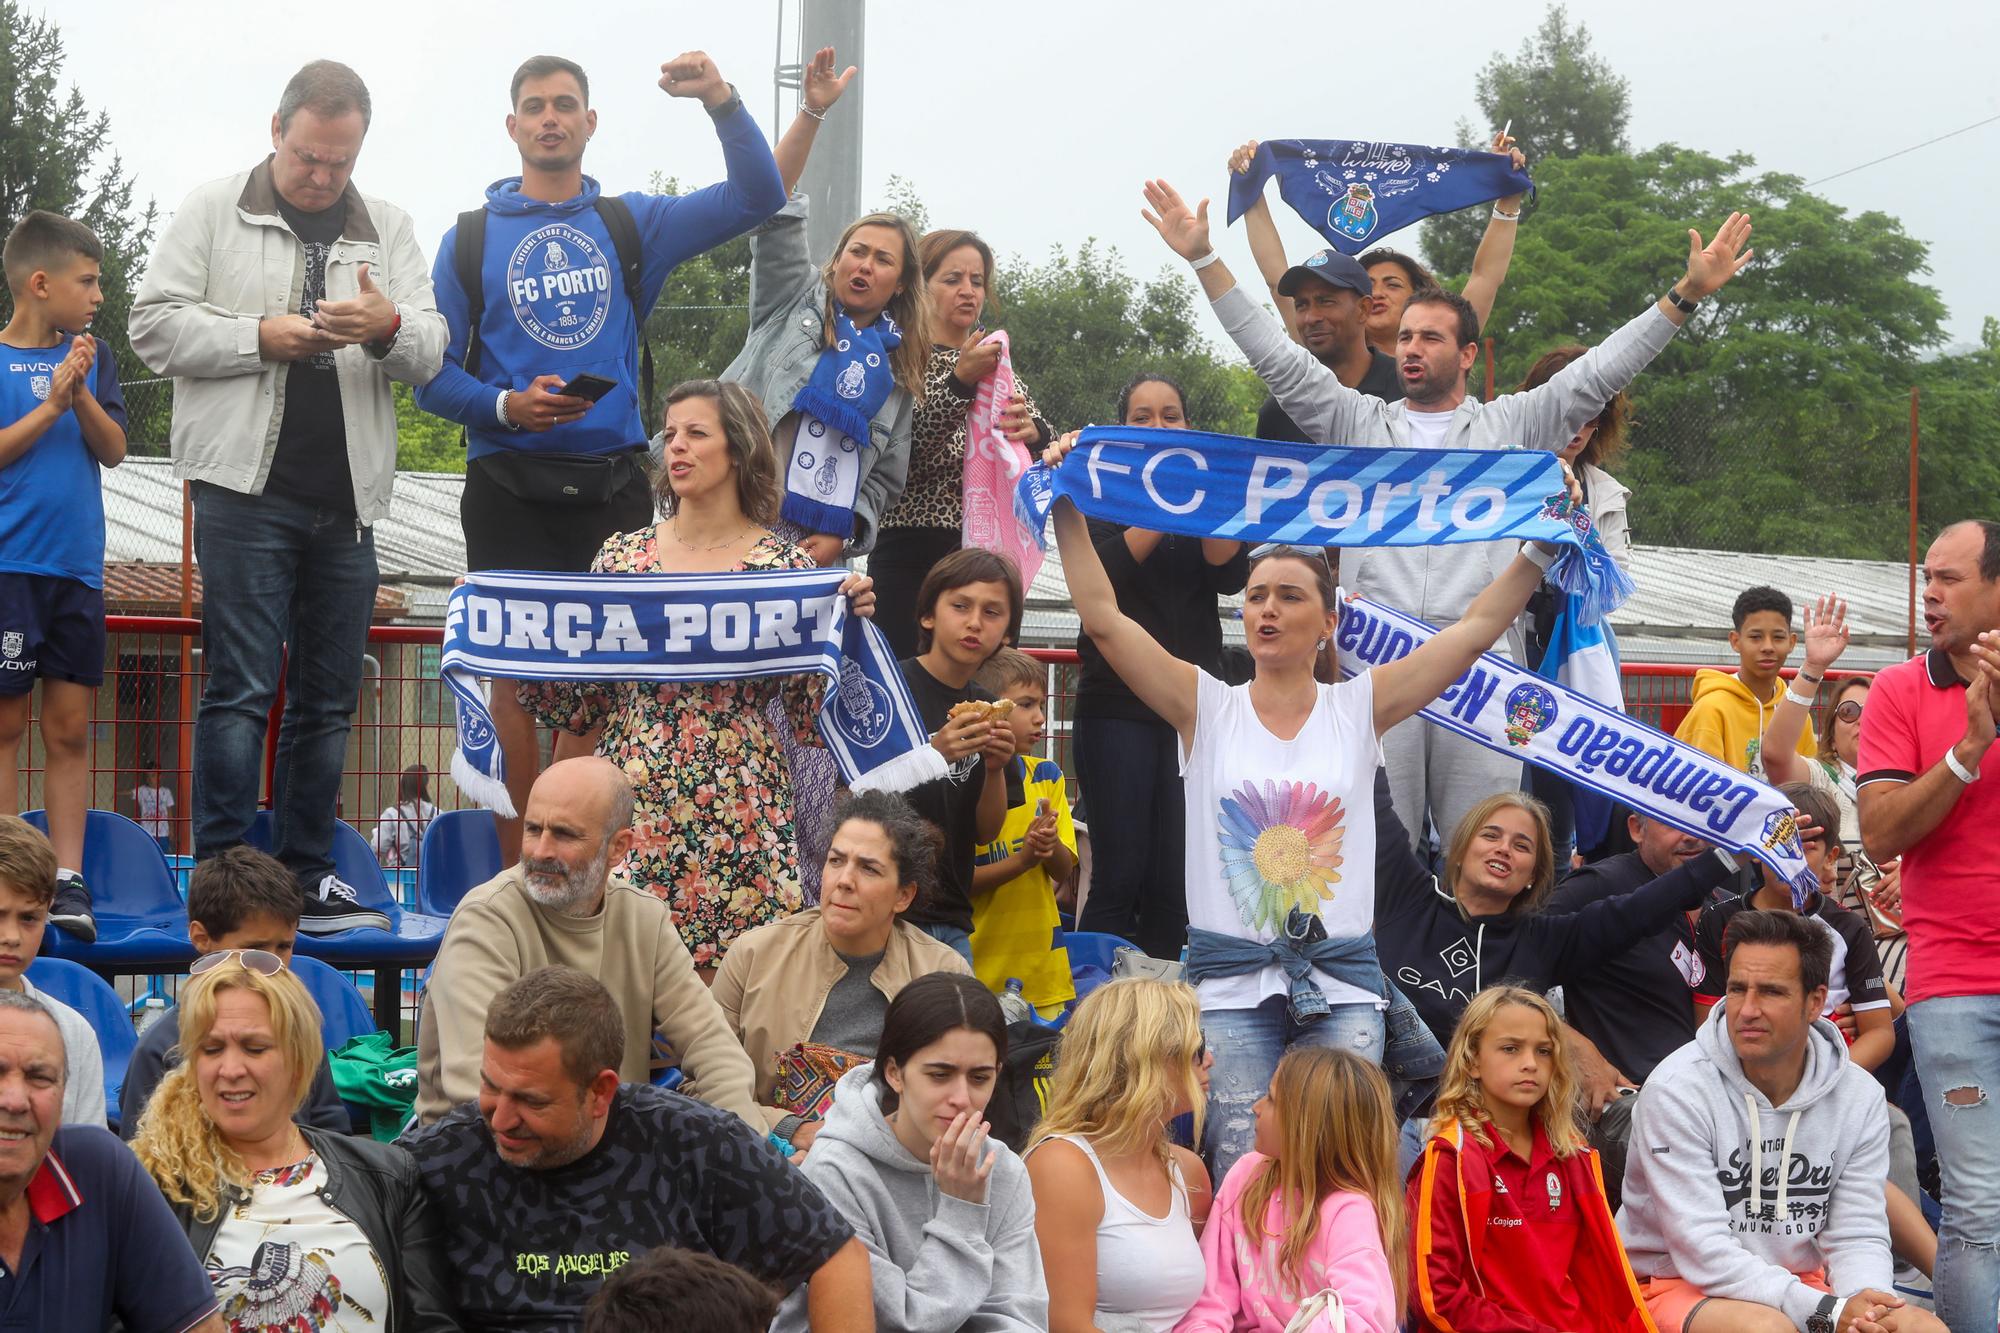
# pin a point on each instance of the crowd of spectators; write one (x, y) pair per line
(725, 1047)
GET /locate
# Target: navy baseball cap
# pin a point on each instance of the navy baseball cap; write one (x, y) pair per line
(1329, 266)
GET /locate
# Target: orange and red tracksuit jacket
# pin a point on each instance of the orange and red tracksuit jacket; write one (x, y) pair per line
(1539, 1255)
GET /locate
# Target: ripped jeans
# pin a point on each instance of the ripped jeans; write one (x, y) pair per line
(1956, 1041)
(1247, 1045)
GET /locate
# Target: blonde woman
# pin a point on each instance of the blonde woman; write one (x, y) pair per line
(1313, 1216)
(1507, 1163)
(1118, 1205)
(298, 1227)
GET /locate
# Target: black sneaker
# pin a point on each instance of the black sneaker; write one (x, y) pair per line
(333, 907)
(71, 909)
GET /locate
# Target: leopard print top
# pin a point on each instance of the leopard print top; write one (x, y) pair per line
(934, 495)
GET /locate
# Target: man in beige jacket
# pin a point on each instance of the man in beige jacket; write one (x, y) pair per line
(561, 905)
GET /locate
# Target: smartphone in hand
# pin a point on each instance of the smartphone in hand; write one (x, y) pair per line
(592, 387)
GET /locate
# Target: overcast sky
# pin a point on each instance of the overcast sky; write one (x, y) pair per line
(1036, 120)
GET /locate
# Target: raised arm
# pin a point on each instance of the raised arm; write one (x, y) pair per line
(1903, 796)
(1405, 686)
(1162, 681)
(822, 88)
(1496, 247)
(1313, 396)
(1261, 230)
(1826, 638)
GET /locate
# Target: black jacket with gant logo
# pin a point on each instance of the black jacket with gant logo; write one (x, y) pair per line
(1440, 957)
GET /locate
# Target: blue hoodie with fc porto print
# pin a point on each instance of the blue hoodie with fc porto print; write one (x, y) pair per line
(555, 296)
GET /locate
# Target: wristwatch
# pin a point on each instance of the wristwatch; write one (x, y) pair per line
(1679, 302)
(1821, 1320)
(735, 104)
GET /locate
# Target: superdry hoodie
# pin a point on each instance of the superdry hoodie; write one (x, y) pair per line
(1736, 1196)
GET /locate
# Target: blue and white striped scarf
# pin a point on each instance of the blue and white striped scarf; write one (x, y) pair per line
(686, 628)
(1506, 707)
(1199, 484)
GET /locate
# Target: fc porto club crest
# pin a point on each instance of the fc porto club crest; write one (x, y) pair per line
(559, 284)
(475, 730)
(863, 712)
(1531, 709)
(1353, 215)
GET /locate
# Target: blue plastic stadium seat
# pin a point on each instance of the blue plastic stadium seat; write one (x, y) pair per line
(461, 851)
(90, 995)
(343, 1013)
(1090, 948)
(140, 916)
(412, 937)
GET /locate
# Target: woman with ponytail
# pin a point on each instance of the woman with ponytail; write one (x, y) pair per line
(298, 1227)
(1278, 783)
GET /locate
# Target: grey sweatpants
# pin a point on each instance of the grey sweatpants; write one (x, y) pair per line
(1433, 770)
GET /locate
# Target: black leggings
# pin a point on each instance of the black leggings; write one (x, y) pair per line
(1129, 773)
(898, 564)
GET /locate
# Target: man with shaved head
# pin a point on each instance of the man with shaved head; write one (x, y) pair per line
(562, 905)
(86, 1240)
(1923, 794)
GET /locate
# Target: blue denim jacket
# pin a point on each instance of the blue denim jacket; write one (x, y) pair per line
(1411, 1055)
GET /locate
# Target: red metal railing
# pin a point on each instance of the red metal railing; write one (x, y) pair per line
(144, 715)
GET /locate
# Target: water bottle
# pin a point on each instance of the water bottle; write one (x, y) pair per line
(1013, 1004)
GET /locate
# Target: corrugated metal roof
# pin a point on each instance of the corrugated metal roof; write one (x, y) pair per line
(1679, 614)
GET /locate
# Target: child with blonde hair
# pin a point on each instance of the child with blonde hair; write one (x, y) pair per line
(1118, 1205)
(1510, 1229)
(1307, 1233)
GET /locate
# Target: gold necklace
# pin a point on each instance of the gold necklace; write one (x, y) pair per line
(686, 545)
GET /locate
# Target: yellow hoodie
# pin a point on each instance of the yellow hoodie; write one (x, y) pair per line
(1728, 721)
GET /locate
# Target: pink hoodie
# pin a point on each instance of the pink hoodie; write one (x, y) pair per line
(1245, 1290)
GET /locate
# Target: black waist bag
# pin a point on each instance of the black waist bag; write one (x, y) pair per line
(561, 479)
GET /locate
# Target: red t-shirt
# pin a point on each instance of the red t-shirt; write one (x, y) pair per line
(1951, 893)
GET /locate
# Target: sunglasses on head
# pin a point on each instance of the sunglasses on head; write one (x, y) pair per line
(260, 961)
(1284, 548)
(1848, 710)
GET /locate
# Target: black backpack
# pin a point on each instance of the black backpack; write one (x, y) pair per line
(468, 257)
(1022, 1092)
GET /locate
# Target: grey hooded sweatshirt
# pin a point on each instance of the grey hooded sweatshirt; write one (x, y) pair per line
(1735, 1195)
(939, 1263)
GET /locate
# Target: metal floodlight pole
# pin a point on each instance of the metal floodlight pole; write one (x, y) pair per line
(832, 178)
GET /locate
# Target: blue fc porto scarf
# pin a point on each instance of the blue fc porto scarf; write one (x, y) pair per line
(1199, 484)
(1355, 193)
(1506, 707)
(849, 384)
(677, 627)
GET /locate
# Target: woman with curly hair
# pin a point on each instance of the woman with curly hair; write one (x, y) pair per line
(1118, 1205)
(299, 1227)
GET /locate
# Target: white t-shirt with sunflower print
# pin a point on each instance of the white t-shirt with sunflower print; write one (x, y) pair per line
(1274, 824)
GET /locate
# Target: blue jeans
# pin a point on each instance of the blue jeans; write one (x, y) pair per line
(1956, 1040)
(958, 939)
(1247, 1045)
(1129, 773)
(277, 574)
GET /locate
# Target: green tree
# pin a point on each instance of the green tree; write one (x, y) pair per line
(1562, 99)
(56, 155)
(425, 443)
(703, 315)
(1777, 419)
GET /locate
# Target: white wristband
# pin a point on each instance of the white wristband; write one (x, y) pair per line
(1958, 770)
(500, 411)
(1802, 700)
(1505, 217)
(1723, 856)
(1537, 556)
(1199, 264)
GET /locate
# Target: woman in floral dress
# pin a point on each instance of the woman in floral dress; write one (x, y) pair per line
(713, 819)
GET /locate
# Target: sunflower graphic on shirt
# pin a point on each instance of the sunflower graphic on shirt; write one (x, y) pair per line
(1280, 849)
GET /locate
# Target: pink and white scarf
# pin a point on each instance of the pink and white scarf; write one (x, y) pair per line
(993, 464)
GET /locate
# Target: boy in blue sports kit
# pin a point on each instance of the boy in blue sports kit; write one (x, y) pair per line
(64, 418)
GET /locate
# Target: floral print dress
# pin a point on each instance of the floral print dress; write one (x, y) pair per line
(713, 817)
